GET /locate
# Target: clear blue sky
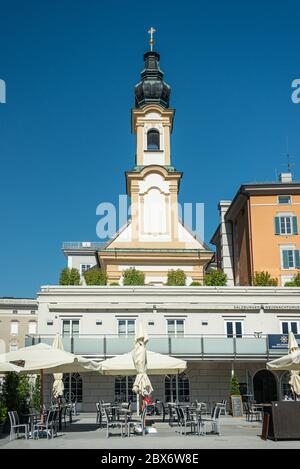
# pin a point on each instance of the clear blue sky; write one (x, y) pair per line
(70, 67)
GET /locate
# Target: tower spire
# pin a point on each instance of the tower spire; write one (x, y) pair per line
(151, 31)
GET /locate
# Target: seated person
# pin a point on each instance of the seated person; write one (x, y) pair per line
(147, 402)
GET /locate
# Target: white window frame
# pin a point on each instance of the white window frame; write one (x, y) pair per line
(290, 202)
(287, 247)
(175, 331)
(32, 323)
(285, 232)
(14, 323)
(234, 321)
(126, 327)
(81, 266)
(289, 321)
(71, 328)
(13, 347)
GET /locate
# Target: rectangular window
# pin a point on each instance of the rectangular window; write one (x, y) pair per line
(290, 259)
(289, 326)
(32, 328)
(286, 225)
(175, 327)
(284, 199)
(14, 327)
(84, 268)
(234, 329)
(126, 327)
(13, 347)
(70, 327)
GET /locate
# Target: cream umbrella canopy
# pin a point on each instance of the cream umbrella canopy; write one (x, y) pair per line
(44, 357)
(290, 362)
(294, 381)
(7, 367)
(58, 385)
(157, 364)
(142, 385)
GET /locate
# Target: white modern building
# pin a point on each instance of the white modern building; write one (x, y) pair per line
(217, 330)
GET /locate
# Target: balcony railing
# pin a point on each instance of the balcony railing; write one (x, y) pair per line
(203, 347)
(83, 245)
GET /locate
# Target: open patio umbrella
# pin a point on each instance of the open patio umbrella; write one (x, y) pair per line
(7, 367)
(58, 385)
(290, 362)
(44, 357)
(157, 364)
(294, 381)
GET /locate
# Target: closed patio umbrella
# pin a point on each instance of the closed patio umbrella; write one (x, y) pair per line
(58, 385)
(142, 384)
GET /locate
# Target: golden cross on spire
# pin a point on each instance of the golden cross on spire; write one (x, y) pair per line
(151, 41)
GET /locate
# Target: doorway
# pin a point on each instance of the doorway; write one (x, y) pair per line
(264, 387)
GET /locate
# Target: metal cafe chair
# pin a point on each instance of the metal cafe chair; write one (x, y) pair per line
(49, 426)
(16, 426)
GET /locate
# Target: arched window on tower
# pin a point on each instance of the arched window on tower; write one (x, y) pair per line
(153, 140)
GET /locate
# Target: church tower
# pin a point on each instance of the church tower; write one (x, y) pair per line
(154, 240)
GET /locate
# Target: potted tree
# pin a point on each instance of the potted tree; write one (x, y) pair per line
(236, 399)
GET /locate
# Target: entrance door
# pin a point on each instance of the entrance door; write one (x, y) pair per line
(264, 386)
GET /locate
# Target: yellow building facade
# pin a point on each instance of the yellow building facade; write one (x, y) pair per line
(259, 231)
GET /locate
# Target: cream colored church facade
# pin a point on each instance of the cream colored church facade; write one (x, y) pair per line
(154, 240)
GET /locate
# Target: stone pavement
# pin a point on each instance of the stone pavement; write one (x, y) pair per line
(84, 433)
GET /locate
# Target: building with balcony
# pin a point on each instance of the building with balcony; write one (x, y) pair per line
(258, 231)
(217, 330)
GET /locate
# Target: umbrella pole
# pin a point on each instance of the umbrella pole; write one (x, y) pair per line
(42, 394)
(138, 404)
(177, 393)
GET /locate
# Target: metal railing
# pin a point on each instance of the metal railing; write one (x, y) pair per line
(83, 245)
(192, 346)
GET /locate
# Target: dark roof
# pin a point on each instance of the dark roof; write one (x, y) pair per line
(152, 89)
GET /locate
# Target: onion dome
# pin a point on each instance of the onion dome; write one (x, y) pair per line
(152, 89)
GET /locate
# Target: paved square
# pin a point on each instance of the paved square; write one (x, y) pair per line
(84, 433)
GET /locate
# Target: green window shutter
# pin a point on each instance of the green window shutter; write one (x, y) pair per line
(285, 257)
(295, 226)
(277, 225)
(297, 259)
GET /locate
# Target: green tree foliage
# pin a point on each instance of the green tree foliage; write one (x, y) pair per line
(3, 411)
(133, 276)
(36, 394)
(69, 277)
(215, 278)
(234, 386)
(295, 282)
(176, 278)
(264, 279)
(95, 276)
(16, 392)
(114, 284)
(195, 284)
